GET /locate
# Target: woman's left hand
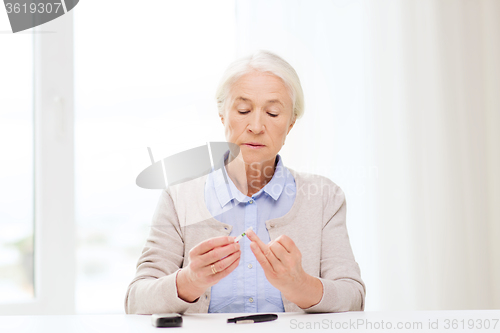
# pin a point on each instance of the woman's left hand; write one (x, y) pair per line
(281, 261)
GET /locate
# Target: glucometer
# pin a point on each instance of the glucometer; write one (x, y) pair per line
(166, 320)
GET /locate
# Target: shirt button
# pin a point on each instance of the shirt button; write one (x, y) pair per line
(250, 266)
(251, 201)
(250, 300)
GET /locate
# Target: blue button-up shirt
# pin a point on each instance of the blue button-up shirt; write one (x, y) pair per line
(246, 289)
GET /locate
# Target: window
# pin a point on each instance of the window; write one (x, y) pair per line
(16, 165)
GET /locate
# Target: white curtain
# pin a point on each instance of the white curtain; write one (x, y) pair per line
(403, 112)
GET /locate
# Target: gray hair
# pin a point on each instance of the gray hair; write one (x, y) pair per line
(266, 62)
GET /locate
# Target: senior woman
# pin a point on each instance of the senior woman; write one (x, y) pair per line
(298, 258)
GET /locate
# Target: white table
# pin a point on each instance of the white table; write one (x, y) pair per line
(457, 321)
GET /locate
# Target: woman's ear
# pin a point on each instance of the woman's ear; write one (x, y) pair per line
(290, 126)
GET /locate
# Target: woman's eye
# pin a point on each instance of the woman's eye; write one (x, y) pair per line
(243, 111)
(273, 114)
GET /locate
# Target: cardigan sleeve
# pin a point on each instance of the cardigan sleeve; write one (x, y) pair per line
(154, 288)
(343, 289)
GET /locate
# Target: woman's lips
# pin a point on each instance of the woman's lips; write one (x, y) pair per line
(254, 145)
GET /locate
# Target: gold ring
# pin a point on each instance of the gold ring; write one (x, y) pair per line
(213, 269)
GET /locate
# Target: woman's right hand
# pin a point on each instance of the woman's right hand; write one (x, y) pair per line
(221, 252)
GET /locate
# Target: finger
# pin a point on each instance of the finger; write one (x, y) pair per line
(279, 251)
(218, 253)
(228, 270)
(287, 243)
(254, 238)
(223, 264)
(210, 244)
(271, 257)
(261, 258)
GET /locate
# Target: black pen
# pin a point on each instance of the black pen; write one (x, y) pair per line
(253, 319)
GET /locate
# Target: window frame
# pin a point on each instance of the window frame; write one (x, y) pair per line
(54, 217)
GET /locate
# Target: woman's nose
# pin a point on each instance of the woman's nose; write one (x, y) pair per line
(256, 123)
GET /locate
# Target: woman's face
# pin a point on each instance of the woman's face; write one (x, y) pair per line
(258, 116)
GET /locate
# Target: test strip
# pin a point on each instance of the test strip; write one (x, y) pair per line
(237, 239)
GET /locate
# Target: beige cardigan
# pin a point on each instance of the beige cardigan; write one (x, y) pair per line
(316, 223)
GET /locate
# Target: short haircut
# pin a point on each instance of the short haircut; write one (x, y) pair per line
(265, 62)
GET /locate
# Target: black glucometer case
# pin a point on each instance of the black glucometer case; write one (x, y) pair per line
(166, 320)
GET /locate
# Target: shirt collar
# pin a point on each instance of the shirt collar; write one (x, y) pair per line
(227, 191)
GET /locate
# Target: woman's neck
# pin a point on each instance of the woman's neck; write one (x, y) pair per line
(250, 178)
